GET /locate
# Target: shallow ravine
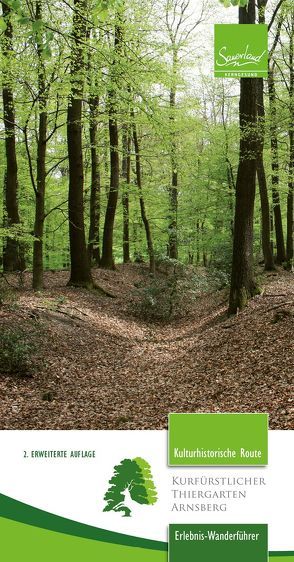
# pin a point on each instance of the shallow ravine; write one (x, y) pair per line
(102, 368)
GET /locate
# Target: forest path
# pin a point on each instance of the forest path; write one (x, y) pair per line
(100, 367)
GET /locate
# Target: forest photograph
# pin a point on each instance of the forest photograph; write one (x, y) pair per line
(146, 230)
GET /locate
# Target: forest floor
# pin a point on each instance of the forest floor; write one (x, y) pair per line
(99, 366)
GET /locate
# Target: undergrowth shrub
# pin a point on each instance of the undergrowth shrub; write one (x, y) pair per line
(19, 348)
(171, 293)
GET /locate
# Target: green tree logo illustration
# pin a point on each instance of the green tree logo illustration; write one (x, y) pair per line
(136, 477)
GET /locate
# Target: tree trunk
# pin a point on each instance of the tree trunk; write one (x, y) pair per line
(80, 274)
(265, 207)
(13, 253)
(231, 184)
(269, 264)
(204, 253)
(243, 285)
(38, 268)
(290, 256)
(126, 175)
(107, 260)
(281, 253)
(94, 228)
(198, 242)
(263, 191)
(173, 192)
(141, 199)
(230, 174)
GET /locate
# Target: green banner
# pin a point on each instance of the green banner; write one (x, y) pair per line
(217, 543)
(218, 439)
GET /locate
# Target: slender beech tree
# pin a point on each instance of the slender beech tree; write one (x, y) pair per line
(229, 167)
(278, 222)
(290, 224)
(94, 227)
(107, 259)
(179, 29)
(13, 254)
(243, 285)
(173, 192)
(141, 197)
(80, 274)
(126, 177)
(40, 187)
(261, 175)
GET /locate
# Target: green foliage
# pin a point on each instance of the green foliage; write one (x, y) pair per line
(228, 3)
(157, 301)
(24, 20)
(16, 232)
(101, 9)
(171, 293)
(15, 5)
(38, 26)
(205, 128)
(3, 25)
(19, 346)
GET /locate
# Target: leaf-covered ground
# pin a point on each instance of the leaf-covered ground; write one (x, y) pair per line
(100, 367)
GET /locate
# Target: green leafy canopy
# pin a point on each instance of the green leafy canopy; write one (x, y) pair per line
(228, 3)
(101, 8)
(15, 5)
(3, 25)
